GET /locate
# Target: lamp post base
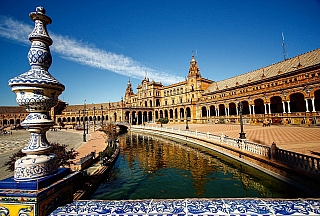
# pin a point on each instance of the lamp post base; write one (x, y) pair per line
(242, 135)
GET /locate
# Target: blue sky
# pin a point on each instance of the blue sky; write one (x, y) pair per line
(99, 45)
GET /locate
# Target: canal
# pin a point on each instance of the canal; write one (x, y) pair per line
(151, 167)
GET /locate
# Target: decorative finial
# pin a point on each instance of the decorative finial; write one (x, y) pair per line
(38, 91)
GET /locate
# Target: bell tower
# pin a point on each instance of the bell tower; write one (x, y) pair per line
(128, 93)
(194, 70)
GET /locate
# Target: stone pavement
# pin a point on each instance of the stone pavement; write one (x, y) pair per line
(305, 140)
(10, 144)
(96, 143)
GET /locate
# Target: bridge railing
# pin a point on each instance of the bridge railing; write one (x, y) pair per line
(300, 161)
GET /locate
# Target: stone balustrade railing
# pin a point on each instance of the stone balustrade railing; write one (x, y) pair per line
(298, 161)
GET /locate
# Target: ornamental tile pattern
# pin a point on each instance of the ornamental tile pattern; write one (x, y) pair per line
(175, 207)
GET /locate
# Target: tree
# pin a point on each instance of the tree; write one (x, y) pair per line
(111, 131)
(65, 157)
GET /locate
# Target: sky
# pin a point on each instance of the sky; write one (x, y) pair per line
(98, 46)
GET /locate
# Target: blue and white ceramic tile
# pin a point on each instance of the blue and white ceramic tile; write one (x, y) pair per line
(194, 207)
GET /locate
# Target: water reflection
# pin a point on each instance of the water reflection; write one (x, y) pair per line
(153, 167)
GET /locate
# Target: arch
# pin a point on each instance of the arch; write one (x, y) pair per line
(18, 121)
(222, 111)
(139, 118)
(175, 113)
(150, 119)
(90, 118)
(171, 113)
(317, 100)
(245, 108)
(73, 119)
(297, 102)
(203, 111)
(161, 114)
(115, 119)
(212, 109)
(134, 119)
(158, 102)
(258, 106)
(276, 104)
(146, 104)
(188, 112)
(166, 113)
(232, 108)
(181, 113)
(157, 114)
(64, 120)
(150, 103)
(145, 116)
(12, 121)
(127, 116)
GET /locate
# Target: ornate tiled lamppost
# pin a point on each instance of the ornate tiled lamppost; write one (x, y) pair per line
(38, 91)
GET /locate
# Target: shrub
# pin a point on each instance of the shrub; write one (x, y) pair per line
(163, 120)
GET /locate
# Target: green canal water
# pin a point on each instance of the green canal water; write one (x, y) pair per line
(156, 168)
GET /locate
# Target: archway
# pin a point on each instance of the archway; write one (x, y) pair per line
(188, 110)
(171, 114)
(232, 109)
(212, 110)
(258, 106)
(139, 118)
(222, 111)
(276, 104)
(166, 113)
(175, 113)
(203, 111)
(150, 119)
(245, 108)
(317, 100)
(181, 111)
(297, 102)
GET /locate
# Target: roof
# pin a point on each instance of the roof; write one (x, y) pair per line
(12, 109)
(286, 66)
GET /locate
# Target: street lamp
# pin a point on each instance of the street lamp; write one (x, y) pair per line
(84, 123)
(87, 121)
(94, 118)
(101, 114)
(79, 117)
(187, 126)
(242, 134)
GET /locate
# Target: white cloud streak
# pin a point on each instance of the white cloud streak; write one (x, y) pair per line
(79, 52)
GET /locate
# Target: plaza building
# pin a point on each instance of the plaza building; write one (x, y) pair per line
(287, 92)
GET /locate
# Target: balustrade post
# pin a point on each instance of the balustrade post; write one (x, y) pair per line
(274, 152)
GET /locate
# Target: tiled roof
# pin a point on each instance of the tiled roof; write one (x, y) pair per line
(305, 60)
(12, 109)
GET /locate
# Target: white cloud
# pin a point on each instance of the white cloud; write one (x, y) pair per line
(79, 52)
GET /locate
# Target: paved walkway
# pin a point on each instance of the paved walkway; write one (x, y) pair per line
(305, 140)
(10, 144)
(96, 143)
